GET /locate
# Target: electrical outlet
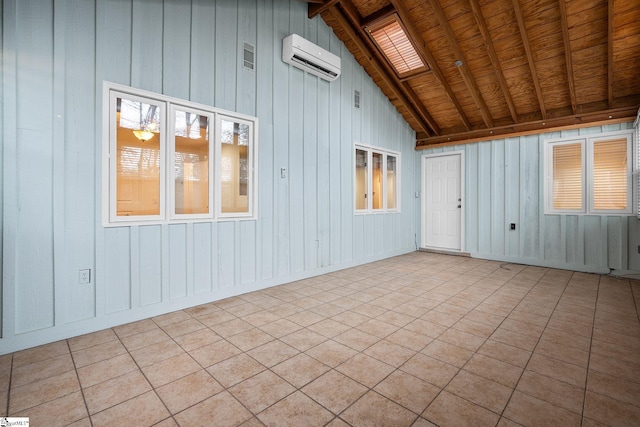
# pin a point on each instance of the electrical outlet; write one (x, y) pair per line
(513, 226)
(84, 277)
(283, 172)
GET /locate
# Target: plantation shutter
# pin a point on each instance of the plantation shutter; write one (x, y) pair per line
(610, 185)
(568, 176)
(636, 126)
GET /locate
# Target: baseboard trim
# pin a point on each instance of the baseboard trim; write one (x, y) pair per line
(445, 252)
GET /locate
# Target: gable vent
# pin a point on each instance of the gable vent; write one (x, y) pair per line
(248, 56)
(356, 98)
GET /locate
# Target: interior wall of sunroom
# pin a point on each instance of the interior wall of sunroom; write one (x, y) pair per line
(504, 184)
(55, 58)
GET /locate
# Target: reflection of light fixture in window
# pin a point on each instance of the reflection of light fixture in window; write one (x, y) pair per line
(143, 134)
(391, 38)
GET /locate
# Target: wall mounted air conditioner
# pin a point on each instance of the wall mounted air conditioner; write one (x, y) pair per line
(303, 54)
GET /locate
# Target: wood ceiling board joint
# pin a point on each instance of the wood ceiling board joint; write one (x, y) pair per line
(527, 48)
(493, 57)
(467, 77)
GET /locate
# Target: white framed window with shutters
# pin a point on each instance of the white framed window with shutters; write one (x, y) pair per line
(590, 174)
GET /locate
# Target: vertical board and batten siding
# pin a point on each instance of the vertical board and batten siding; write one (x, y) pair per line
(504, 182)
(55, 58)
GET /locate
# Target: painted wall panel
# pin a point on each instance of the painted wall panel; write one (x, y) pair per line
(202, 70)
(177, 260)
(247, 252)
(117, 274)
(78, 121)
(176, 50)
(484, 197)
(512, 195)
(192, 50)
(226, 247)
(202, 256)
(246, 86)
(309, 200)
(530, 211)
(226, 62)
(34, 299)
(150, 270)
(146, 45)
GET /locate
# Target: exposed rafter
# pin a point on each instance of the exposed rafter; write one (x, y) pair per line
(527, 49)
(428, 125)
(428, 56)
(463, 68)
(525, 66)
(567, 54)
(493, 57)
(617, 115)
(610, 53)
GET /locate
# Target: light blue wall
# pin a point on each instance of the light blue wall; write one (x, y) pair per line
(55, 57)
(504, 184)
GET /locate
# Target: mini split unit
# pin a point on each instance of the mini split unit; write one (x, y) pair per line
(313, 59)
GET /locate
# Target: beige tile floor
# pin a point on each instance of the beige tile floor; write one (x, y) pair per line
(417, 340)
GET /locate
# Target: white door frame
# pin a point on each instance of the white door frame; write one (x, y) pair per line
(423, 202)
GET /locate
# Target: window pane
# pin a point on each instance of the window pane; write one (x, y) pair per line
(567, 176)
(391, 182)
(377, 181)
(138, 158)
(362, 179)
(610, 186)
(234, 164)
(191, 163)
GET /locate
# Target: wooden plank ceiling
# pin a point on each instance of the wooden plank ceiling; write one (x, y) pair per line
(500, 67)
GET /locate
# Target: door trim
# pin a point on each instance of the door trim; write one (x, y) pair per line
(423, 199)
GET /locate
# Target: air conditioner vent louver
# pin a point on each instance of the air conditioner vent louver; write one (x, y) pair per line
(313, 59)
(307, 63)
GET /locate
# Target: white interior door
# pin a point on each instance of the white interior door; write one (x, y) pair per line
(442, 202)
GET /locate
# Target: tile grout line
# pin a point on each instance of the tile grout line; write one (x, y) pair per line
(450, 327)
(534, 349)
(9, 386)
(593, 327)
(501, 414)
(75, 369)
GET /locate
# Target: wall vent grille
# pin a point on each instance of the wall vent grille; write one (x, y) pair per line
(248, 56)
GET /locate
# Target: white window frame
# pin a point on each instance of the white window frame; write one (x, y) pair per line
(370, 150)
(250, 165)
(171, 161)
(587, 144)
(168, 105)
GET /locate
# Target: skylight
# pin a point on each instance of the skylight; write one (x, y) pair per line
(392, 40)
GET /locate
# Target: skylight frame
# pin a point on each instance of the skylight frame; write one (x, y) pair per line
(409, 64)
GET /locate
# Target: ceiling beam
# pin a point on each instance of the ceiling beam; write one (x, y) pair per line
(567, 55)
(463, 68)
(426, 54)
(414, 107)
(318, 7)
(610, 53)
(527, 49)
(493, 57)
(612, 116)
